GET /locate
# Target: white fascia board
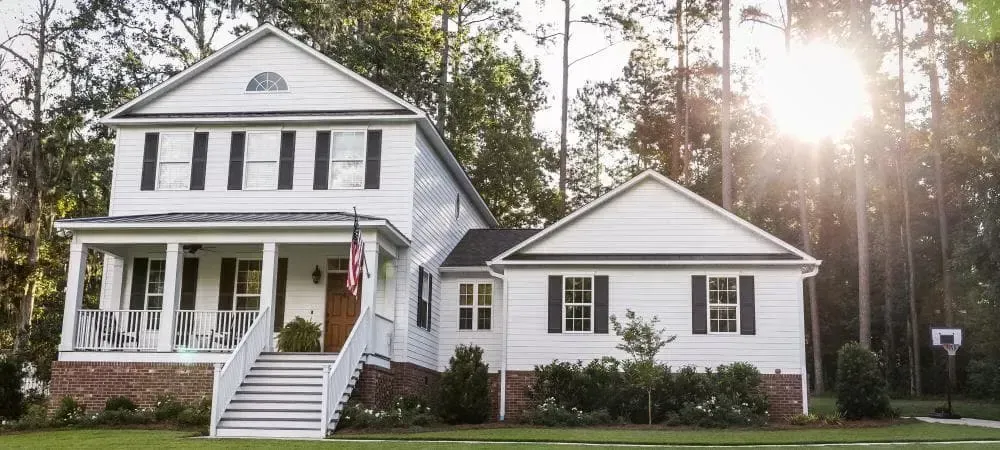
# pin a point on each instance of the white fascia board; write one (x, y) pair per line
(455, 269)
(394, 233)
(594, 262)
(222, 119)
(458, 173)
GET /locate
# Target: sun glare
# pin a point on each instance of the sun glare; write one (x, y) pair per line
(817, 93)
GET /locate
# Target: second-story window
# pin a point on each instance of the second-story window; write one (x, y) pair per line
(173, 172)
(261, 160)
(347, 160)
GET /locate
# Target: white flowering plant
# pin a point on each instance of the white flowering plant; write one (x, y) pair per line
(405, 411)
(550, 413)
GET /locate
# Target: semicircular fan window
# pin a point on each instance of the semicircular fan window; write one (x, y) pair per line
(267, 82)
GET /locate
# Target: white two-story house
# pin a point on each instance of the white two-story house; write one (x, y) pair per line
(233, 202)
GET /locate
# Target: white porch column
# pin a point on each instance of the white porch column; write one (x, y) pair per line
(75, 277)
(269, 284)
(369, 283)
(171, 293)
(111, 290)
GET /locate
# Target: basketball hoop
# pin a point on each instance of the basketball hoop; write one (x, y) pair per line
(951, 348)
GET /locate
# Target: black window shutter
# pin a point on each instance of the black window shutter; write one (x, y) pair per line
(199, 159)
(373, 155)
(279, 296)
(149, 153)
(227, 283)
(286, 163)
(189, 283)
(601, 304)
(430, 299)
(699, 305)
(137, 299)
(421, 306)
(555, 303)
(321, 172)
(236, 147)
(748, 324)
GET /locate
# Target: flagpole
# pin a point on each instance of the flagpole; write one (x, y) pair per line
(364, 258)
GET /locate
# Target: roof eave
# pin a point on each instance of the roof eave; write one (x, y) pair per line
(436, 141)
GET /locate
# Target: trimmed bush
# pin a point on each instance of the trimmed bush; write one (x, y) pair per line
(404, 412)
(119, 404)
(11, 397)
(861, 389)
(299, 335)
(465, 387)
(69, 412)
(167, 407)
(551, 414)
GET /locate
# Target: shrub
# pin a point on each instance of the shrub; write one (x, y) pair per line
(198, 414)
(121, 417)
(11, 397)
(861, 389)
(983, 379)
(404, 412)
(69, 412)
(551, 414)
(739, 385)
(35, 416)
(299, 335)
(167, 407)
(119, 404)
(465, 389)
(687, 385)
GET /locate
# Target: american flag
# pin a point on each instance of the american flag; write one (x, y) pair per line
(357, 261)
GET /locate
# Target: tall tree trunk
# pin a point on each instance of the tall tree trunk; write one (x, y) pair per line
(902, 165)
(727, 98)
(676, 166)
(442, 106)
(888, 275)
(564, 119)
(856, 16)
(937, 133)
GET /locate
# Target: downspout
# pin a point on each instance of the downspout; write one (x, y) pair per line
(802, 354)
(503, 346)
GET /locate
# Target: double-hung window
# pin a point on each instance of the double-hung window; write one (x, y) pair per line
(475, 306)
(578, 304)
(247, 291)
(173, 166)
(261, 160)
(347, 159)
(424, 301)
(155, 277)
(723, 304)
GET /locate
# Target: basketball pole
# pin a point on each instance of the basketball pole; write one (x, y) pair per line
(948, 363)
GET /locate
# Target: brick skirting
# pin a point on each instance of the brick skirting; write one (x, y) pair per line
(375, 387)
(411, 379)
(92, 383)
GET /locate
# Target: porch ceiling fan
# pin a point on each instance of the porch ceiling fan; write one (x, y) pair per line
(196, 249)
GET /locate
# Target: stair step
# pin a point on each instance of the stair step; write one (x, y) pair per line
(288, 370)
(283, 397)
(269, 432)
(291, 365)
(274, 405)
(283, 380)
(309, 357)
(243, 414)
(291, 424)
(314, 389)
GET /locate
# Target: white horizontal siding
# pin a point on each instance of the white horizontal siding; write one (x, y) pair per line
(665, 293)
(312, 85)
(449, 336)
(652, 218)
(393, 199)
(436, 231)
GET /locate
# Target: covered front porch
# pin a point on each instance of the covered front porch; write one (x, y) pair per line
(192, 293)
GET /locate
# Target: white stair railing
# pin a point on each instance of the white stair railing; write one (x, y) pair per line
(229, 377)
(335, 384)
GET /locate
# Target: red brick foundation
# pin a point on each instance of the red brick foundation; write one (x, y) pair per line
(378, 387)
(411, 379)
(92, 383)
(375, 387)
(784, 393)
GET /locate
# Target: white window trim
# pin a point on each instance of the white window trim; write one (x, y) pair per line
(236, 281)
(425, 284)
(475, 307)
(245, 91)
(564, 304)
(330, 160)
(708, 303)
(159, 160)
(276, 161)
(149, 271)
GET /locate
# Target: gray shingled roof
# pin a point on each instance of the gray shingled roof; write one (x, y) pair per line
(481, 245)
(184, 217)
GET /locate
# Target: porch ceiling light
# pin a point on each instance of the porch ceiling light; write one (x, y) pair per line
(316, 275)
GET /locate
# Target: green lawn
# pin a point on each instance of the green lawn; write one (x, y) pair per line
(919, 407)
(158, 439)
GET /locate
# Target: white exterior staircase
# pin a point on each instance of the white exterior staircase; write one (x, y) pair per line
(282, 396)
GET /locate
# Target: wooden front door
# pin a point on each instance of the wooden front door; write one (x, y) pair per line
(342, 311)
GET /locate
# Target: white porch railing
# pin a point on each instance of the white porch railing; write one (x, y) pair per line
(211, 330)
(116, 330)
(335, 383)
(381, 344)
(229, 377)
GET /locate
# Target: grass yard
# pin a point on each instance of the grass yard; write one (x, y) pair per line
(160, 439)
(919, 407)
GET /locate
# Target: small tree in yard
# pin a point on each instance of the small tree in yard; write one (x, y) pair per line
(861, 389)
(465, 387)
(642, 341)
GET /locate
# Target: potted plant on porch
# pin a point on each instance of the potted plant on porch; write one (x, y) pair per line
(299, 335)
